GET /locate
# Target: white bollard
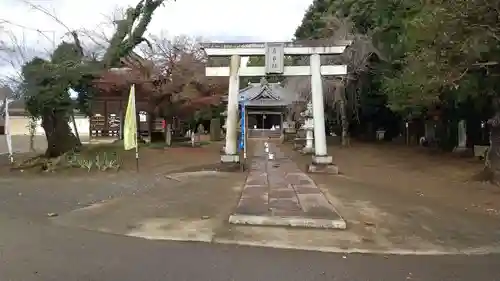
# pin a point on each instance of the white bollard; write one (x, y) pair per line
(270, 156)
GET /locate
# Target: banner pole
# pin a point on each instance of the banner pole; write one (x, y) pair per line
(137, 126)
(137, 157)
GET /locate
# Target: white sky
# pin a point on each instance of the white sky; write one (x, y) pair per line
(218, 20)
(228, 20)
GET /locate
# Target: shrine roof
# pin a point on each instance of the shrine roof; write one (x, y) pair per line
(267, 94)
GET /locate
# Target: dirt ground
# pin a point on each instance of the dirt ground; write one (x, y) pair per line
(153, 159)
(442, 176)
(394, 196)
(399, 169)
(394, 200)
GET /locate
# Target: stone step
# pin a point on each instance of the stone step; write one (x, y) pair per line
(259, 133)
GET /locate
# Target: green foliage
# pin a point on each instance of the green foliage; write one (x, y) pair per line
(447, 56)
(130, 31)
(44, 88)
(46, 83)
(429, 48)
(101, 161)
(271, 78)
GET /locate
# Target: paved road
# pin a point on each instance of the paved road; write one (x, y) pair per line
(33, 251)
(31, 248)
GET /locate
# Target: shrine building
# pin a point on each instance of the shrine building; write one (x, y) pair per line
(266, 107)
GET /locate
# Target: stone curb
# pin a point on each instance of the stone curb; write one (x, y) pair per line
(394, 251)
(288, 221)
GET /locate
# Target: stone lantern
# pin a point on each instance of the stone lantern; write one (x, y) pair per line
(308, 126)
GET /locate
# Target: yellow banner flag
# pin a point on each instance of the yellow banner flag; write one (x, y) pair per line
(130, 126)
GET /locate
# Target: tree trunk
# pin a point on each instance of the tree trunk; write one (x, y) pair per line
(344, 122)
(60, 138)
(168, 134)
(340, 97)
(492, 161)
(32, 125)
(75, 128)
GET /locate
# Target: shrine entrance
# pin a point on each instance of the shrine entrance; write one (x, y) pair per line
(264, 124)
(264, 120)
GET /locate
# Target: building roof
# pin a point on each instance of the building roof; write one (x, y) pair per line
(267, 94)
(17, 105)
(5, 92)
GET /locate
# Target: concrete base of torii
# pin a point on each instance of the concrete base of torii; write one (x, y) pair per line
(307, 150)
(230, 159)
(323, 165)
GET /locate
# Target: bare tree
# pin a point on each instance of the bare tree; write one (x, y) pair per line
(177, 65)
(346, 89)
(15, 52)
(170, 74)
(341, 92)
(301, 86)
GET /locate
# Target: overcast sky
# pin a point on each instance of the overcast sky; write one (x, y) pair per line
(233, 20)
(220, 20)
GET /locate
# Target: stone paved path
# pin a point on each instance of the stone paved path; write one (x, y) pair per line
(278, 193)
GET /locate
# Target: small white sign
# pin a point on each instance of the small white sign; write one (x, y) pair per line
(275, 53)
(143, 117)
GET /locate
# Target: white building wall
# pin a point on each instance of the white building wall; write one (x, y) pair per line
(19, 126)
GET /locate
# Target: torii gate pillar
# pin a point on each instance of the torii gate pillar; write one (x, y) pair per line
(274, 53)
(231, 149)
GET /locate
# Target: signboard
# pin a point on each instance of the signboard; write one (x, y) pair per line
(243, 126)
(275, 53)
(143, 116)
(243, 144)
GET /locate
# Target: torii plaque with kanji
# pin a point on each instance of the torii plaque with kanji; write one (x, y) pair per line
(274, 58)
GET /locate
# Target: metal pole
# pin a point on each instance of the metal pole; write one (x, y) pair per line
(245, 132)
(137, 156)
(407, 133)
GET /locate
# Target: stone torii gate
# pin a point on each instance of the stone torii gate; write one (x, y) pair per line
(274, 64)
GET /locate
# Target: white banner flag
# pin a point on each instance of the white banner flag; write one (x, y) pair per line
(8, 136)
